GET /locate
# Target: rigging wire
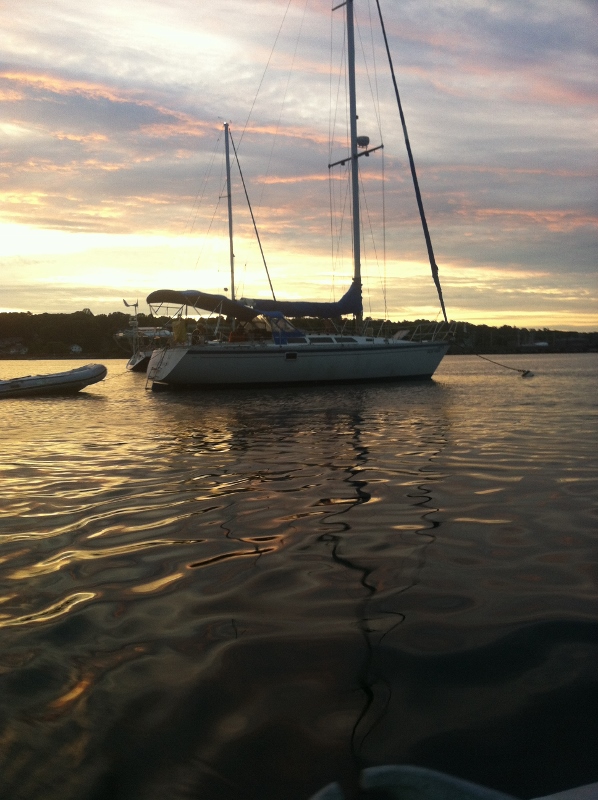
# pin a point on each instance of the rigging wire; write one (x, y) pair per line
(344, 66)
(364, 256)
(190, 225)
(222, 182)
(331, 197)
(284, 97)
(375, 94)
(276, 131)
(384, 283)
(375, 100)
(332, 123)
(331, 204)
(383, 165)
(264, 72)
(367, 211)
(259, 241)
(342, 216)
(377, 103)
(420, 204)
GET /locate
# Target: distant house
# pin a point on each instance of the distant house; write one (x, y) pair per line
(13, 346)
(535, 347)
(75, 349)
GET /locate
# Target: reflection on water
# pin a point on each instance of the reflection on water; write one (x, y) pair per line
(250, 594)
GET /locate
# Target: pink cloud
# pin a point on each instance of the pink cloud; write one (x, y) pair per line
(557, 221)
(184, 123)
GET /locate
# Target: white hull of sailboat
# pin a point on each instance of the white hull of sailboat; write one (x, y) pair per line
(139, 361)
(221, 364)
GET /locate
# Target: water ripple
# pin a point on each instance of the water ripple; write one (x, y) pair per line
(326, 576)
(52, 612)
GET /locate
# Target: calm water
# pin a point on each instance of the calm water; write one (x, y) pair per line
(245, 596)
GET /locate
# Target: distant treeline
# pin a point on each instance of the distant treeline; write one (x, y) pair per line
(26, 335)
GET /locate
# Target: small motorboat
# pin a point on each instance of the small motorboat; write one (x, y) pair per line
(69, 382)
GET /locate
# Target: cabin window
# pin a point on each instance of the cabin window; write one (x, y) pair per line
(296, 340)
(321, 340)
(343, 339)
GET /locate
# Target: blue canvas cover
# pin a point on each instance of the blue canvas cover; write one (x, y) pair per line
(217, 303)
(350, 303)
(283, 331)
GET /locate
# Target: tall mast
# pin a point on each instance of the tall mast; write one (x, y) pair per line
(355, 143)
(353, 134)
(230, 213)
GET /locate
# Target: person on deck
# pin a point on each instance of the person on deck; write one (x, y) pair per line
(198, 336)
(179, 330)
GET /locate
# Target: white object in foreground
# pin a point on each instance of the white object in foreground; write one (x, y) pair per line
(419, 783)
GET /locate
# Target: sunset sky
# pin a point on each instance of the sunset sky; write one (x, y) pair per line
(112, 154)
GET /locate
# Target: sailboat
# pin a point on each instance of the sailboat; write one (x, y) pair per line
(139, 341)
(264, 346)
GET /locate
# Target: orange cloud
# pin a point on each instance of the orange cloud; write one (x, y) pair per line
(38, 166)
(317, 177)
(56, 85)
(74, 137)
(293, 131)
(185, 124)
(9, 95)
(275, 179)
(16, 198)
